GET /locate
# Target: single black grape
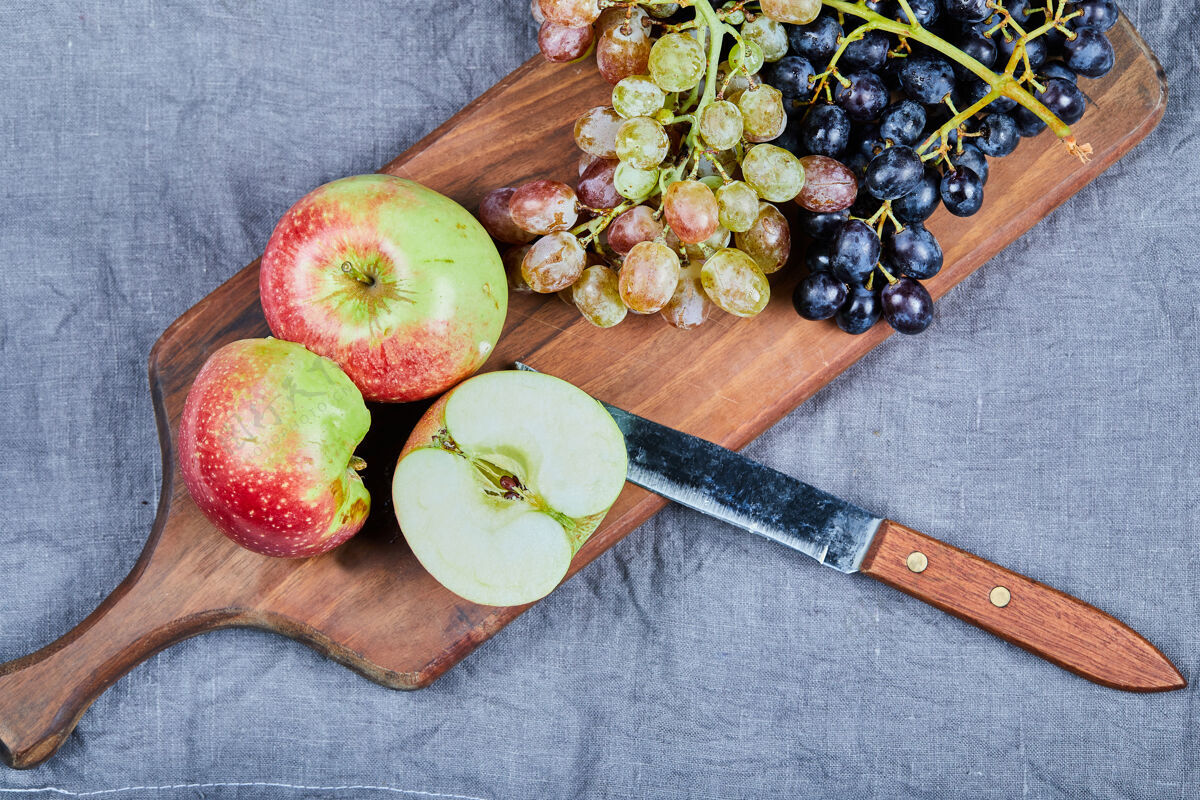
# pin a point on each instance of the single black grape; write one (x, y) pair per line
(1101, 14)
(1064, 99)
(894, 173)
(914, 252)
(1055, 39)
(962, 191)
(998, 135)
(978, 47)
(868, 53)
(921, 202)
(926, 12)
(1020, 11)
(825, 131)
(907, 306)
(823, 226)
(1090, 52)
(1028, 123)
(890, 73)
(1034, 48)
(967, 10)
(855, 252)
(790, 138)
(944, 27)
(865, 204)
(926, 79)
(902, 122)
(971, 156)
(864, 99)
(1056, 69)
(865, 139)
(791, 75)
(857, 161)
(971, 89)
(819, 296)
(819, 256)
(817, 41)
(861, 310)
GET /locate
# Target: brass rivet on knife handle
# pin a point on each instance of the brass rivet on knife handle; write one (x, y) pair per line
(1058, 627)
(917, 561)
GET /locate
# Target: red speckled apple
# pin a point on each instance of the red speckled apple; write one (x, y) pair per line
(266, 447)
(398, 284)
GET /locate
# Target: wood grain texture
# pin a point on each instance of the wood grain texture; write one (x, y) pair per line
(369, 604)
(1056, 626)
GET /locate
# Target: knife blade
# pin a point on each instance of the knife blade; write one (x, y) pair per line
(1048, 623)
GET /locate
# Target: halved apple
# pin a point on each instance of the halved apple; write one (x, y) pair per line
(503, 480)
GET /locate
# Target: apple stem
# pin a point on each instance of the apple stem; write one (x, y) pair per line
(357, 274)
(357, 464)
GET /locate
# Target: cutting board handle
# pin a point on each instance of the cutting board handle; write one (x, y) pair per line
(43, 695)
(1058, 627)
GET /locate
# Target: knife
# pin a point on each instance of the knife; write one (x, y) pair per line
(1060, 628)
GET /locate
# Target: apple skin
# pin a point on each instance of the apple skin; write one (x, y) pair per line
(266, 447)
(400, 285)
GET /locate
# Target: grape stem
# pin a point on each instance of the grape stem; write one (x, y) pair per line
(594, 227)
(999, 83)
(943, 133)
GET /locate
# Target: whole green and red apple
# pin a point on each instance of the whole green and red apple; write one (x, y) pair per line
(400, 285)
(266, 447)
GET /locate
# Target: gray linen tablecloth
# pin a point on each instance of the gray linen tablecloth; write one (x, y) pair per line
(1048, 421)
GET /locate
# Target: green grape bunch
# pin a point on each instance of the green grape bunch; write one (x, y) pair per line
(675, 210)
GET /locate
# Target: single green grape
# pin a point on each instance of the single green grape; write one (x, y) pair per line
(713, 182)
(690, 209)
(642, 142)
(553, 262)
(689, 306)
(637, 96)
(773, 172)
(797, 12)
(633, 183)
(734, 282)
(598, 297)
(768, 35)
(737, 206)
(769, 240)
(677, 62)
(763, 116)
(721, 125)
(648, 277)
(748, 59)
(596, 132)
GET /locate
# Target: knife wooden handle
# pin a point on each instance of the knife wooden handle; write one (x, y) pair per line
(1058, 627)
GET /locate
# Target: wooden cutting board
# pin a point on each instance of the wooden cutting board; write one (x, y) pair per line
(369, 604)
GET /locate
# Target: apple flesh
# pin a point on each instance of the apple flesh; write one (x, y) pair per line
(266, 447)
(503, 480)
(398, 284)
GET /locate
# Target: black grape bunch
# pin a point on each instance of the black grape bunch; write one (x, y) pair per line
(914, 96)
